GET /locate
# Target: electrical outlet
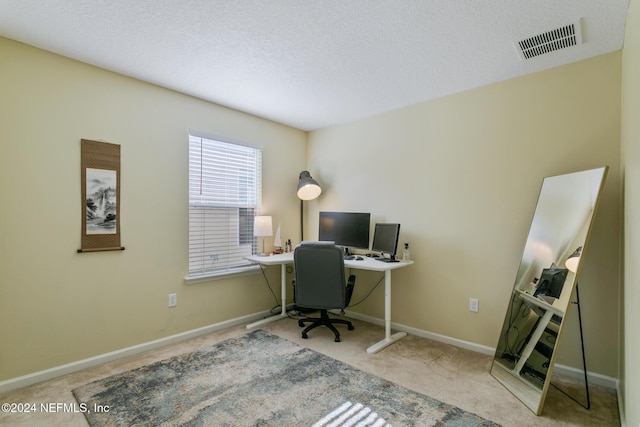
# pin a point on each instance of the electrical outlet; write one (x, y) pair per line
(473, 304)
(173, 300)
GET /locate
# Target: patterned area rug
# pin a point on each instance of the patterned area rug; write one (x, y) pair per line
(260, 379)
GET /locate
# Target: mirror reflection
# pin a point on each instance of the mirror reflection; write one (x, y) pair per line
(541, 295)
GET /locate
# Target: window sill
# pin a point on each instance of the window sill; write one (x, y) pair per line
(222, 275)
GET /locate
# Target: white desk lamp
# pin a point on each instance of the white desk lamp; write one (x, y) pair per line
(262, 227)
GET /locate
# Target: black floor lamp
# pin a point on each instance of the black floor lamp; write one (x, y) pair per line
(572, 265)
(308, 189)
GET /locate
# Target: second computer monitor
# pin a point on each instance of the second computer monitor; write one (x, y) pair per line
(385, 239)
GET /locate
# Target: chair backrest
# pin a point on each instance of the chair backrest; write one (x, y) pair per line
(319, 273)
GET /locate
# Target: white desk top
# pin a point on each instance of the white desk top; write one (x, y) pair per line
(540, 303)
(285, 258)
(367, 263)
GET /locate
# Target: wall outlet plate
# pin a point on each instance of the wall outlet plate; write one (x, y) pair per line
(173, 300)
(473, 305)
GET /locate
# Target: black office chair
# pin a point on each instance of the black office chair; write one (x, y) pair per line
(320, 284)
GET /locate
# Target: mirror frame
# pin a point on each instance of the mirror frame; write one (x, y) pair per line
(545, 247)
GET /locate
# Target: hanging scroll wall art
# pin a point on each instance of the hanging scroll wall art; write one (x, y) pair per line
(100, 170)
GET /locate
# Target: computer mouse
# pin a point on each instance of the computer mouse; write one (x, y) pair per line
(359, 258)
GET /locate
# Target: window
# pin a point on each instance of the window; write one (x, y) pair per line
(224, 196)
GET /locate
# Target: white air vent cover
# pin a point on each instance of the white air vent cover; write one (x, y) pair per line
(560, 38)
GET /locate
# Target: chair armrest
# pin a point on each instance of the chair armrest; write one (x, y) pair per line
(350, 285)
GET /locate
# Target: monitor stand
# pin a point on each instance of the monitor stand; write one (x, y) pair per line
(347, 255)
(392, 259)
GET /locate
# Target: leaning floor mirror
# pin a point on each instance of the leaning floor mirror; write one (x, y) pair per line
(527, 345)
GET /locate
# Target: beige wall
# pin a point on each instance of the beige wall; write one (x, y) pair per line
(630, 369)
(462, 175)
(57, 306)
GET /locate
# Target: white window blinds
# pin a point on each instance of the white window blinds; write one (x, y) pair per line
(224, 196)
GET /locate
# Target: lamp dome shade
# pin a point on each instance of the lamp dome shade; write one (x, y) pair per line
(574, 259)
(308, 188)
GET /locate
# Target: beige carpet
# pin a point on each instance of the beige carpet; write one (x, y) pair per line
(450, 374)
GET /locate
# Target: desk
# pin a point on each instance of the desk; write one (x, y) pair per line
(549, 311)
(367, 264)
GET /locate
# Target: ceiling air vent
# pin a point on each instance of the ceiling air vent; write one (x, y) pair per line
(560, 38)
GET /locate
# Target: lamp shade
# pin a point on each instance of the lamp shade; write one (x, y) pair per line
(308, 188)
(262, 226)
(573, 260)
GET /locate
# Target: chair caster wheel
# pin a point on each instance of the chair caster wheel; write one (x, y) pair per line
(337, 339)
(305, 336)
(350, 327)
(300, 323)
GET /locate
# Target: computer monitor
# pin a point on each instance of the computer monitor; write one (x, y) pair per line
(346, 229)
(385, 240)
(551, 282)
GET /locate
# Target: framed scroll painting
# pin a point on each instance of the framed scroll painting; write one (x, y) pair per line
(100, 171)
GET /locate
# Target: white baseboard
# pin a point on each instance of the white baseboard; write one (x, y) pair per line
(425, 334)
(594, 378)
(57, 371)
(623, 422)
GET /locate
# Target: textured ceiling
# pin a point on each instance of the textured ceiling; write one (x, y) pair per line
(313, 63)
